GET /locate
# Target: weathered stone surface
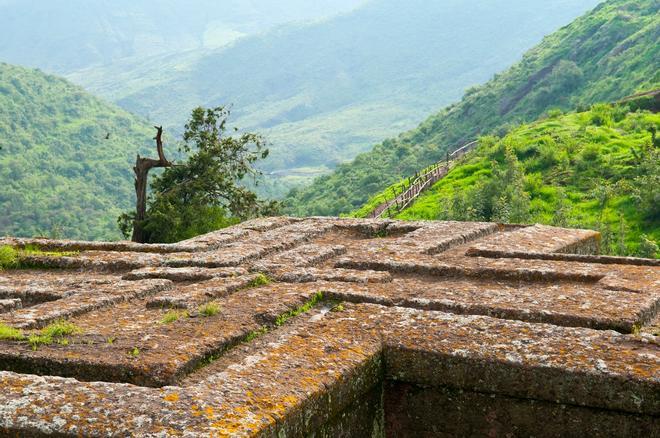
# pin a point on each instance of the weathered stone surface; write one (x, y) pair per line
(10, 304)
(571, 303)
(166, 351)
(533, 361)
(416, 411)
(197, 293)
(304, 255)
(83, 301)
(308, 275)
(538, 238)
(98, 261)
(183, 274)
(35, 287)
(289, 327)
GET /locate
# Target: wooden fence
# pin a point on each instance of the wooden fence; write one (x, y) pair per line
(420, 182)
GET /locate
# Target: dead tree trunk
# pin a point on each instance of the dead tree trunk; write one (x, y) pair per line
(141, 169)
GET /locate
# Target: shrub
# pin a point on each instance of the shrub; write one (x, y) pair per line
(590, 155)
(648, 248)
(548, 152)
(602, 115)
(554, 113)
(533, 182)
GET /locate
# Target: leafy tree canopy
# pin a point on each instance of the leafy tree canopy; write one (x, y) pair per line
(204, 193)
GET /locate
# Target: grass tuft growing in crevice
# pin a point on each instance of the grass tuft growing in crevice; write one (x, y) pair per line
(318, 297)
(337, 307)
(8, 257)
(34, 250)
(173, 316)
(61, 328)
(259, 280)
(209, 309)
(55, 332)
(255, 334)
(17, 258)
(8, 333)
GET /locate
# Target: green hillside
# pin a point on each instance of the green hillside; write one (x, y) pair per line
(596, 169)
(609, 53)
(59, 175)
(324, 92)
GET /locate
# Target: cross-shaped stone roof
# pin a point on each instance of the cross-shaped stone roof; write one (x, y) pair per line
(333, 327)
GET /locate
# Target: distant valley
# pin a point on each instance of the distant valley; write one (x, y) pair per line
(322, 91)
(609, 53)
(326, 91)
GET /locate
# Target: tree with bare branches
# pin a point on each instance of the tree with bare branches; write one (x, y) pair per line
(141, 170)
(205, 192)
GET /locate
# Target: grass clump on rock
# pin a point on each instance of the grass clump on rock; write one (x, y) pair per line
(8, 257)
(259, 280)
(18, 258)
(283, 318)
(173, 316)
(10, 334)
(55, 332)
(209, 309)
(61, 328)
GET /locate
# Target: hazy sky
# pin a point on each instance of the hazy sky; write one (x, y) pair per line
(65, 35)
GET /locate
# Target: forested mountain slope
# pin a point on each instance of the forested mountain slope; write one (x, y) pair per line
(323, 92)
(604, 55)
(59, 175)
(596, 169)
(64, 35)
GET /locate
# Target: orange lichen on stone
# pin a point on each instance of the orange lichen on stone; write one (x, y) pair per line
(173, 397)
(521, 322)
